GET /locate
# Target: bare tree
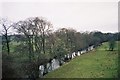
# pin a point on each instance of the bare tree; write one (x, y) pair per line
(35, 29)
(43, 27)
(6, 25)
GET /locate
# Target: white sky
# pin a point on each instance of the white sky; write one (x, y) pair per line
(101, 15)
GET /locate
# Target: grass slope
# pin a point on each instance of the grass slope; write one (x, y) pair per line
(95, 64)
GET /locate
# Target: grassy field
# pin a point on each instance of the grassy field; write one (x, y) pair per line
(99, 63)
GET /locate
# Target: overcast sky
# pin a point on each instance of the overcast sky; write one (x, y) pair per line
(82, 16)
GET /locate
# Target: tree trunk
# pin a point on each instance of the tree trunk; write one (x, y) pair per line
(29, 45)
(43, 42)
(7, 42)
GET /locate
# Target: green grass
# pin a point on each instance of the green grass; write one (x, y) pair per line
(99, 63)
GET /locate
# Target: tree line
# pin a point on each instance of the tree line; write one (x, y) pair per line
(36, 40)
